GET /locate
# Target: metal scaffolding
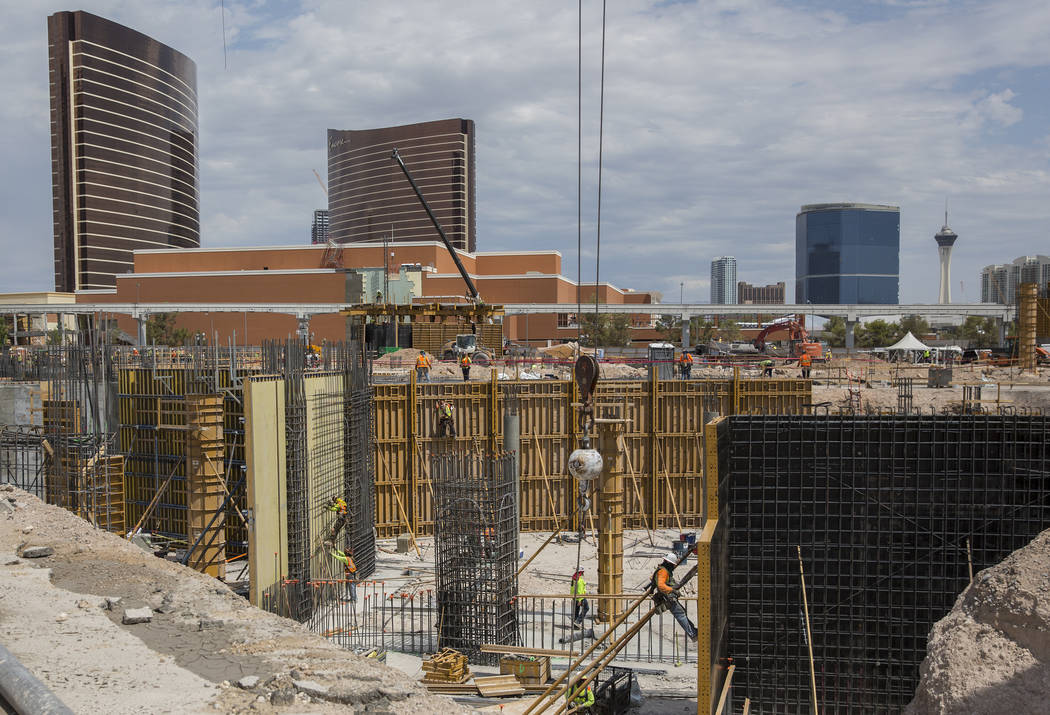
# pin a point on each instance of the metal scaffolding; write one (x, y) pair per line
(475, 545)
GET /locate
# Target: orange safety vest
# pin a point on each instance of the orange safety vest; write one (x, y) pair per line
(445, 410)
(805, 360)
(422, 361)
(465, 362)
(687, 359)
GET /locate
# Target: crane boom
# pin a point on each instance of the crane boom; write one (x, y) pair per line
(441, 232)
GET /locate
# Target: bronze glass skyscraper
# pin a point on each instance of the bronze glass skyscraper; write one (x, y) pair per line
(369, 197)
(123, 148)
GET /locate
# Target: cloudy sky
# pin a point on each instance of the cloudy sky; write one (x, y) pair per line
(722, 117)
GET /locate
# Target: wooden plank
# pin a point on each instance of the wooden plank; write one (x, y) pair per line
(496, 686)
(522, 650)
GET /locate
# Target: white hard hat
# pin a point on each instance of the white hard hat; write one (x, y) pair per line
(671, 557)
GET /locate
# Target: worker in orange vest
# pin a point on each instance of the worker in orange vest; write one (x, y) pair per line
(805, 361)
(686, 364)
(665, 595)
(423, 367)
(465, 364)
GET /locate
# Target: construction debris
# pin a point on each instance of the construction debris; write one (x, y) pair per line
(991, 653)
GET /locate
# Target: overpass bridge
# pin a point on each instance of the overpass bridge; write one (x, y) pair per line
(852, 313)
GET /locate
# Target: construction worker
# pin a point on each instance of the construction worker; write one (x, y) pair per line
(446, 425)
(465, 364)
(349, 573)
(805, 362)
(579, 591)
(338, 505)
(686, 364)
(423, 367)
(581, 698)
(767, 367)
(666, 595)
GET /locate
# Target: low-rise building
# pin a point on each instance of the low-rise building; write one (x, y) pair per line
(409, 272)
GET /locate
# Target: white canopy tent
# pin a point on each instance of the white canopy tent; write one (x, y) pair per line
(907, 349)
(908, 342)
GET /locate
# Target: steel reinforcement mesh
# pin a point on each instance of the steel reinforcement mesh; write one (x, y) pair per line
(887, 510)
(359, 475)
(475, 547)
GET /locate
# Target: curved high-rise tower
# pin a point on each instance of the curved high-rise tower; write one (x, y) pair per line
(945, 240)
(123, 148)
(369, 197)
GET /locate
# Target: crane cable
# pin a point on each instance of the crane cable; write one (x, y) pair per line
(601, 136)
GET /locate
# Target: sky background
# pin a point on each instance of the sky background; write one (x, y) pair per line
(722, 118)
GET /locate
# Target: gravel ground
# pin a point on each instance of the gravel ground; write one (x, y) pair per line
(202, 636)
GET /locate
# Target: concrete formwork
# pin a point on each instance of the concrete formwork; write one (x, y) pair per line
(662, 450)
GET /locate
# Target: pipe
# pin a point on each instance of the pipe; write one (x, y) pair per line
(22, 691)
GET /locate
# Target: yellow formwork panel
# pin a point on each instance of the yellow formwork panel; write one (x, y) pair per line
(267, 495)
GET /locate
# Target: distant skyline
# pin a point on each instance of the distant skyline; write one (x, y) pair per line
(721, 119)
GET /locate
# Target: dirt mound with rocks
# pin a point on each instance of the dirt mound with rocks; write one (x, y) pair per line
(991, 653)
(204, 648)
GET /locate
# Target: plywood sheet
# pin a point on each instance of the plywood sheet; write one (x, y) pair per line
(267, 497)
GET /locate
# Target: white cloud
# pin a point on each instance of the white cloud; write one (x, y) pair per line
(721, 119)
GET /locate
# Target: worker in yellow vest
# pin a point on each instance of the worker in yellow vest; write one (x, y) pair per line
(349, 574)
(446, 424)
(580, 697)
(465, 364)
(579, 593)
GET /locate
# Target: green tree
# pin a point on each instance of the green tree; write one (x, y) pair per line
(877, 334)
(54, 337)
(727, 330)
(981, 332)
(161, 329)
(835, 332)
(613, 330)
(915, 324)
(5, 331)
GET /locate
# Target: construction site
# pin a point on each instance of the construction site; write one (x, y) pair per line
(820, 526)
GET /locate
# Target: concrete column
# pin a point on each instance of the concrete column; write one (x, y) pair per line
(685, 332)
(610, 522)
(304, 328)
(850, 325)
(141, 321)
(512, 443)
(1002, 331)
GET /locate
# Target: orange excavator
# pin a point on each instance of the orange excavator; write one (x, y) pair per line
(799, 341)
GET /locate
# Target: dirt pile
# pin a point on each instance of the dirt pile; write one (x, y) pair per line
(991, 653)
(205, 649)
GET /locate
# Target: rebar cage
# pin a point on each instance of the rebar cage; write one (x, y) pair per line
(889, 512)
(475, 545)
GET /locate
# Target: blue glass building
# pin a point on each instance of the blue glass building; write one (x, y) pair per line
(847, 253)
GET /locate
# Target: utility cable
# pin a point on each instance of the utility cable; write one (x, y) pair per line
(601, 131)
(579, 170)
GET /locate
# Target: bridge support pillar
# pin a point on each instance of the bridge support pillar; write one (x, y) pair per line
(685, 332)
(850, 325)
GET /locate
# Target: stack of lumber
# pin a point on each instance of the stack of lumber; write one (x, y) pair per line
(446, 666)
(498, 686)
